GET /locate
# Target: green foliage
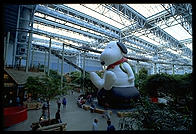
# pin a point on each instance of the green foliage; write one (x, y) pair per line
(154, 116)
(157, 82)
(174, 85)
(44, 87)
(89, 86)
(76, 77)
(53, 74)
(140, 77)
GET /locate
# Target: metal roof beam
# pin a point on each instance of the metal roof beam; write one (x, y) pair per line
(66, 18)
(58, 36)
(84, 16)
(48, 22)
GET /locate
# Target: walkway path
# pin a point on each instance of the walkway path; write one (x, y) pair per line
(77, 119)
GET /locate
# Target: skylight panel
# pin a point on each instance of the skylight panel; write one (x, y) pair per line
(147, 10)
(178, 32)
(96, 15)
(149, 40)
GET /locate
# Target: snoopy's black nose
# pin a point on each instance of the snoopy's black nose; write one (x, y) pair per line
(102, 63)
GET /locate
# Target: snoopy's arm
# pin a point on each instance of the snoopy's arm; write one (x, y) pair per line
(96, 80)
(109, 79)
(129, 71)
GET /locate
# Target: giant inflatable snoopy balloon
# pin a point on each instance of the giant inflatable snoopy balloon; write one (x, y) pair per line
(116, 88)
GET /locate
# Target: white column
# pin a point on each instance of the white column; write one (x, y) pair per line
(49, 56)
(79, 59)
(28, 51)
(16, 39)
(45, 61)
(32, 58)
(58, 65)
(6, 47)
(173, 69)
(83, 76)
(62, 63)
(137, 67)
(155, 68)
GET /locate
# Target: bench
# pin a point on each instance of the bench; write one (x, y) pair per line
(54, 127)
(44, 123)
(101, 111)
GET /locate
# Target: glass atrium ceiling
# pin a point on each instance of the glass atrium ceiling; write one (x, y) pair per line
(167, 28)
(101, 12)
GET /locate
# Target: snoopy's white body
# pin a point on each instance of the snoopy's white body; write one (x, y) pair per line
(113, 77)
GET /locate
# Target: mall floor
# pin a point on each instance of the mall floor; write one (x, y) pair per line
(77, 119)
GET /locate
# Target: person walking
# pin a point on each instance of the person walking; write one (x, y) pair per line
(110, 127)
(59, 103)
(95, 127)
(64, 102)
(44, 107)
(92, 108)
(58, 116)
(107, 114)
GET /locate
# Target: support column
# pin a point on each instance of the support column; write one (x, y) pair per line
(79, 60)
(16, 39)
(28, 51)
(4, 54)
(49, 56)
(155, 68)
(58, 65)
(32, 58)
(173, 71)
(69, 68)
(45, 62)
(6, 47)
(30, 40)
(83, 75)
(137, 67)
(62, 68)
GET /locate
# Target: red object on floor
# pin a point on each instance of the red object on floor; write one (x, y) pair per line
(14, 115)
(154, 99)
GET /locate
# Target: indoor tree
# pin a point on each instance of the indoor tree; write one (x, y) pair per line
(45, 87)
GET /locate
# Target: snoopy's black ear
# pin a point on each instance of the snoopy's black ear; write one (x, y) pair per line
(122, 47)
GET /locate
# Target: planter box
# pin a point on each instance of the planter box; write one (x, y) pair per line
(119, 114)
(123, 114)
(86, 107)
(32, 105)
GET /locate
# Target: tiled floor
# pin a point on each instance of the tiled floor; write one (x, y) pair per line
(77, 119)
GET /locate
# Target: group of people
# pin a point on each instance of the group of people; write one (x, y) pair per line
(81, 101)
(110, 127)
(57, 115)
